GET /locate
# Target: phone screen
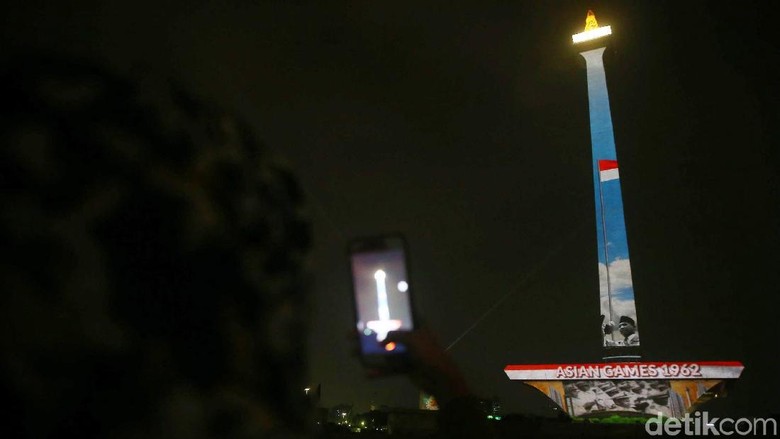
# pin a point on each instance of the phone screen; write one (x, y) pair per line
(381, 289)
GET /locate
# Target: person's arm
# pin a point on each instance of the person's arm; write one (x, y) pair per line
(432, 369)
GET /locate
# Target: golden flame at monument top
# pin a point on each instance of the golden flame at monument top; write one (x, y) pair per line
(592, 30)
(590, 21)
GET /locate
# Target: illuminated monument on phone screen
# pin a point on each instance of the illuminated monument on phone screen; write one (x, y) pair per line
(623, 384)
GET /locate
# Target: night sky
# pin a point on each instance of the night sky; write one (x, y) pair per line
(465, 127)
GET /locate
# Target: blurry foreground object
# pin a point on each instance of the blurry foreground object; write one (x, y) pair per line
(151, 264)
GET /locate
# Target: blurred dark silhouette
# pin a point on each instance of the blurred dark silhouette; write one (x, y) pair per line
(152, 275)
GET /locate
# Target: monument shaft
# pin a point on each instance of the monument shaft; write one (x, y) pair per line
(616, 286)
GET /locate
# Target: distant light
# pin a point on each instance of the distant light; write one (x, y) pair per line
(380, 275)
(591, 34)
(306, 390)
(403, 286)
(390, 347)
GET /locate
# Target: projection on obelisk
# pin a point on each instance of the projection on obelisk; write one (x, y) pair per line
(616, 286)
(624, 386)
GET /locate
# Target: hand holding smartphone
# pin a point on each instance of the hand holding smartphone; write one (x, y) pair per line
(382, 297)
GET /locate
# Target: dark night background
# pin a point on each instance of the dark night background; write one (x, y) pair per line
(465, 127)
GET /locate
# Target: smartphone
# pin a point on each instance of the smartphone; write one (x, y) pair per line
(382, 297)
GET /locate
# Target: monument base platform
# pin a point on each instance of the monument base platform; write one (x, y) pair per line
(629, 389)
